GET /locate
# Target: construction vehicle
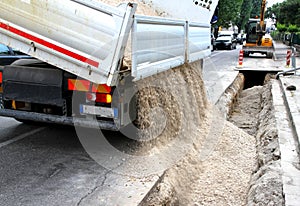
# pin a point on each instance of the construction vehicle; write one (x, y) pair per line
(257, 39)
(78, 47)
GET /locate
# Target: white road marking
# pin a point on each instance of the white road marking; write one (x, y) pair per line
(22, 136)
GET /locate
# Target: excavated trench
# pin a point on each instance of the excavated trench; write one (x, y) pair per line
(254, 113)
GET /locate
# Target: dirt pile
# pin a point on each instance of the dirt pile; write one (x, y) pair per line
(217, 166)
(214, 159)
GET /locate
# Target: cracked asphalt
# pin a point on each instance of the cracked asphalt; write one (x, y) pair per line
(48, 166)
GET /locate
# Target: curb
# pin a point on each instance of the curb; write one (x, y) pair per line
(293, 124)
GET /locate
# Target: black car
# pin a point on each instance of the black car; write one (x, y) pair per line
(9, 55)
(225, 42)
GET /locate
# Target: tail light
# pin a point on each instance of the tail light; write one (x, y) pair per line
(99, 97)
(94, 92)
(0, 77)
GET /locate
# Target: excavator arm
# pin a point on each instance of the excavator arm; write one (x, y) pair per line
(261, 26)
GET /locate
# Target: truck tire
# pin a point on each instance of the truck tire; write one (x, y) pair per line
(1, 102)
(269, 55)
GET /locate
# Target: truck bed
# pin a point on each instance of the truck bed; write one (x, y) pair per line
(88, 38)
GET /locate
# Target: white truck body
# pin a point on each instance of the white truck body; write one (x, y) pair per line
(88, 38)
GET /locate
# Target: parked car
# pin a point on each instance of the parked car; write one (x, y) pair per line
(225, 42)
(9, 55)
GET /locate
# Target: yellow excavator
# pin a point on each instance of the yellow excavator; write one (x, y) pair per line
(258, 40)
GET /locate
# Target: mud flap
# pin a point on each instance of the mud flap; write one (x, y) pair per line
(33, 84)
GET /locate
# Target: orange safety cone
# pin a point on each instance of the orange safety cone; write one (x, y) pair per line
(241, 57)
(288, 58)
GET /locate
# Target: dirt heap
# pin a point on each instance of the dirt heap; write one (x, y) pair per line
(215, 159)
(217, 167)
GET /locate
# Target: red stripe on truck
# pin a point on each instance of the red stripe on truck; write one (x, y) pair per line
(49, 45)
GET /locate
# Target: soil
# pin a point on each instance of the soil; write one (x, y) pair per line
(218, 167)
(254, 113)
(248, 107)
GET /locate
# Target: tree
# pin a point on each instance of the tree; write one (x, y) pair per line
(255, 12)
(229, 12)
(273, 11)
(237, 12)
(286, 12)
(246, 9)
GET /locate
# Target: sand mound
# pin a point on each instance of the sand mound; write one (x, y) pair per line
(219, 158)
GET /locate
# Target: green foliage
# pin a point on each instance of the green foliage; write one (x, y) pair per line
(237, 12)
(246, 9)
(255, 11)
(292, 28)
(276, 35)
(287, 12)
(229, 11)
(281, 27)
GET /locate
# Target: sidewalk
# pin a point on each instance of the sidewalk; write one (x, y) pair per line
(287, 113)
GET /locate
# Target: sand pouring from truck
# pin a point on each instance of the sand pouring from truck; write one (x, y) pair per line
(258, 40)
(79, 46)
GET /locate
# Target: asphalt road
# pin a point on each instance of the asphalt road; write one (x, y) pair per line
(47, 165)
(220, 66)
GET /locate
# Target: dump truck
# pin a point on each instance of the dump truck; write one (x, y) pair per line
(78, 48)
(257, 40)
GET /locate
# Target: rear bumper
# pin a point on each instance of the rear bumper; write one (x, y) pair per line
(222, 46)
(256, 49)
(62, 120)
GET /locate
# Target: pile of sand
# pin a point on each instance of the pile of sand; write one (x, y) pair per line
(217, 167)
(219, 158)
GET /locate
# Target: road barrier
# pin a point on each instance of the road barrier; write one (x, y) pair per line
(288, 58)
(241, 57)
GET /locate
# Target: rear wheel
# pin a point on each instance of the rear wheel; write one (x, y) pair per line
(246, 54)
(270, 55)
(1, 102)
